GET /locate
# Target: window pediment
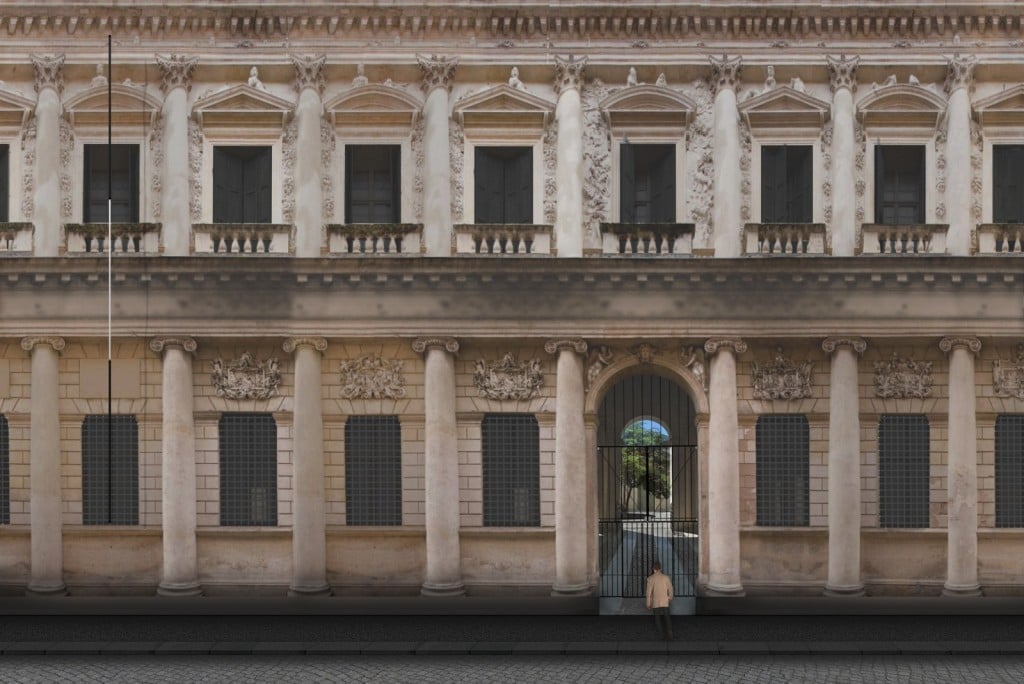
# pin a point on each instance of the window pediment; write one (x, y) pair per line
(377, 105)
(15, 109)
(1004, 108)
(128, 105)
(503, 106)
(647, 106)
(901, 105)
(784, 107)
(242, 105)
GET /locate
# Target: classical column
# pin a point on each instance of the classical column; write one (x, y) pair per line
(309, 200)
(46, 212)
(962, 472)
(47, 571)
(441, 467)
(180, 576)
(569, 157)
(723, 469)
(309, 531)
(437, 177)
(959, 78)
(843, 81)
(570, 468)
(844, 467)
(726, 217)
(174, 190)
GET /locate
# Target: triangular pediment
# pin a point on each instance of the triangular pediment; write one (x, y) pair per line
(15, 109)
(128, 105)
(503, 105)
(373, 104)
(1003, 108)
(784, 107)
(901, 105)
(242, 105)
(647, 106)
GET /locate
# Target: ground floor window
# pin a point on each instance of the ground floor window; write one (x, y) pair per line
(511, 470)
(248, 469)
(1010, 470)
(373, 470)
(903, 469)
(110, 470)
(782, 476)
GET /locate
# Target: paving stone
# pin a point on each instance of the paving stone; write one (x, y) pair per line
(643, 647)
(591, 647)
(493, 648)
(130, 647)
(743, 647)
(391, 647)
(539, 648)
(445, 647)
(692, 647)
(788, 647)
(184, 648)
(337, 648)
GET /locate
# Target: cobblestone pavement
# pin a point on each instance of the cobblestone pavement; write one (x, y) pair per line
(176, 669)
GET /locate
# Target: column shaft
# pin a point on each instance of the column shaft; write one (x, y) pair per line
(726, 216)
(437, 185)
(308, 191)
(570, 482)
(723, 477)
(569, 174)
(47, 572)
(47, 197)
(174, 192)
(962, 483)
(958, 168)
(844, 195)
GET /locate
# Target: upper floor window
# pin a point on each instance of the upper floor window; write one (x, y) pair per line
(241, 184)
(114, 171)
(373, 470)
(1010, 470)
(510, 454)
(783, 481)
(1008, 183)
(903, 471)
(899, 184)
(786, 184)
(504, 184)
(248, 469)
(5, 183)
(373, 184)
(110, 470)
(647, 183)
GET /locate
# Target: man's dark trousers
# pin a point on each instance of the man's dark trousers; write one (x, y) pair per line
(664, 622)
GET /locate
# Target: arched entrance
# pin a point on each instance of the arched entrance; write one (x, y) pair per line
(647, 492)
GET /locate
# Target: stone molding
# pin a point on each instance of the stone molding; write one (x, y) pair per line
(574, 344)
(972, 344)
(246, 377)
(448, 344)
(842, 73)
(293, 343)
(48, 72)
(902, 378)
(158, 344)
(692, 357)
(857, 344)
(438, 72)
(960, 73)
(600, 358)
(29, 343)
(782, 378)
(1009, 381)
(176, 72)
(725, 72)
(569, 73)
(713, 345)
(508, 378)
(309, 73)
(371, 377)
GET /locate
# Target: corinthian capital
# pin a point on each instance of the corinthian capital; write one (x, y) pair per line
(293, 343)
(309, 73)
(422, 344)
(438, 72)
(960, 73)
(176, 71)
(48, 72)
(842, 73)
(725, 72)
(735, 344)
(948, 344)
(158, 344)
(569, 73)
(29, 343)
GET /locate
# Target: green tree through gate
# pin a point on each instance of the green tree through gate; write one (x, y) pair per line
(646, 461)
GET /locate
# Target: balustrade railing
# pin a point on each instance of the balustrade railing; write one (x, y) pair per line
(16, 238)
(503, 238)
(127, 238)
(243, 238)
(784, 238)
(374, 238)
(1001, 238)
(653, 239)
(924, 238)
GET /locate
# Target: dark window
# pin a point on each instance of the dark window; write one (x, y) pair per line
(511, 470)
(5, 473)
(373, 470)
(899, 184)
(783, 481)
(504, 185)
(241, 184)
(647, 183)
(110, 470)
(1008, 183)
(373, 184)
(248, 469)
(1010, 471)
(786, 177)
(5, 183)
(903, 471)
(122, 172)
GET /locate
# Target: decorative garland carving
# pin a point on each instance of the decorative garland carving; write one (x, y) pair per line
(372, 377)
(28, 169)
(745, 151)
(596, 163)
(327, 142)
(456, 162)
(940, 174)
(246, 378)
(508, 378)
(288, 139)
(600, 358)
(902, 378)
(1009, 381)
(549, 148)
(419, 159)
(700, 176)
(67, 147)
(781, 378)
(976, 175)
(826, 182)
(156, 147)
(860, 139)
(195, 171)
(693, 359)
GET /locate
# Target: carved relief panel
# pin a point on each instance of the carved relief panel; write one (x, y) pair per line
(508, 378)
(246, 377)
(372, 377)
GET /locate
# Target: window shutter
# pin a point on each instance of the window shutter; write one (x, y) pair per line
(663, 187)
(773, 184)
(257, 188)
(798, 184)
(489, 185)
(519, 196)
(5, 183)
(919, 184)
(227, 187)
(396, 184)
(1007, 190)
(880, 184)
(627, 183)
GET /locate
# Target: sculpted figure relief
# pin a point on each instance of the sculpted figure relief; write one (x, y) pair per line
(372, 377)
(508, 378)
(782, 378)
(901, 378)
(1008, 380)
(246, 378)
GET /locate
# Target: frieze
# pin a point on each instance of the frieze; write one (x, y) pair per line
(509, 378)
(1008, 380)
(372, 377)
(781, 378)
(246, 377)
(902, 378)
(600, 358)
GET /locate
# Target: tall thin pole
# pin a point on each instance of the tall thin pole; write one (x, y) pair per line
(110, 281)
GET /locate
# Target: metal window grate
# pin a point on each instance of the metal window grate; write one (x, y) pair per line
(110, 476)
(248, 469)
(5, 473)
(783, 462)
(903, 471)
(511, 470)
(373, 470)
(1010, 470)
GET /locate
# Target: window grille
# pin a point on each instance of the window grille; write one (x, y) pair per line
(123, 172)
(373, 183)
(110, 476)
(511, 470)
(5, 473)
(248, 469)
(903, 471)
(1010, 470)
(373, 470)
(783, 480)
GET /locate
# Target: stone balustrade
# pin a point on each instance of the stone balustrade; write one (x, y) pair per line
(16, 238)
(128, 238)
(1001, 238)
(784, 238)
(654, 239)
(498, 238)
(243, 238)
(374, 238)
(923, 238)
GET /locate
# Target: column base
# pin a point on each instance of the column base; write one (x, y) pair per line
(839, 590)
(724, 590)
(179, 589)
(323, 590)
(571, 590)
(961, 590)
(46, 590)
(443, 589)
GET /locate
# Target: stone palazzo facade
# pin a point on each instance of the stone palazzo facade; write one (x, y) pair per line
(415, 223)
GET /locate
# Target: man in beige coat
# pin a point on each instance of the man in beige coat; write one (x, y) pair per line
(659, 596)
